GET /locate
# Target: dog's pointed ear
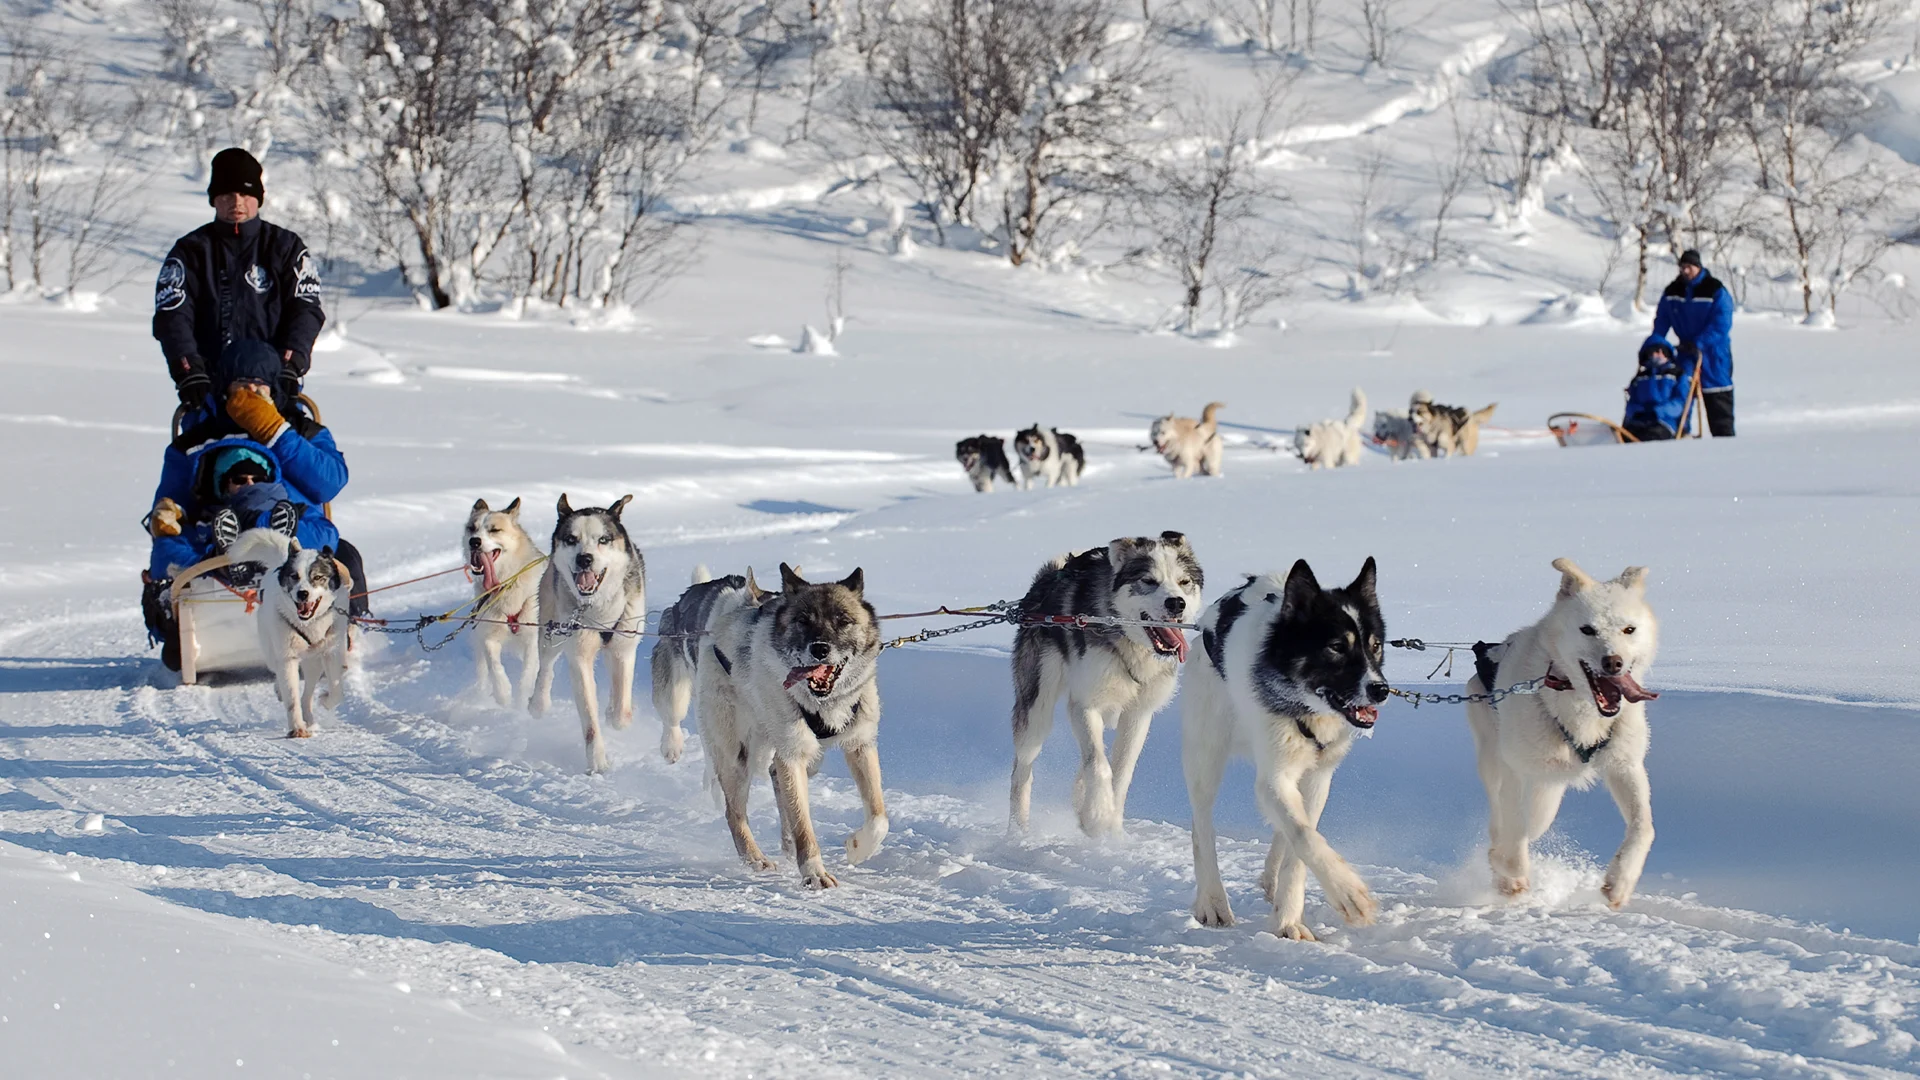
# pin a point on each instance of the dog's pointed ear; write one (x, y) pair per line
(563, 507)
(513, 509)
(1174, 539)
(754, 592)
(856, 581)
(1635, 579)
(1572, 578)
(327, 553)
(293, 546)
(1120, 550)
(619, 505)
(1301, 589)
(1364, 586)
(790, 580)
(480, 506)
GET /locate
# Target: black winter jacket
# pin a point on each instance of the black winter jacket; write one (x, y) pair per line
(224, 283)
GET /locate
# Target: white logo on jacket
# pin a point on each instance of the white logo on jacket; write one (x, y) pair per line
(170, 291)
(261, 281)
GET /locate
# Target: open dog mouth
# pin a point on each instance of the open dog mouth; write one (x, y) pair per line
(1358, 713)
(586, 582)
(305, 611)
(819, 678)
(1166, 640)
(481, 563)
(1610, 690)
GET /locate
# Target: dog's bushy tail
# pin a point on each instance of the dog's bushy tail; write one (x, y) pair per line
(701, 573)
(1358, 413)
(1481, 416)
(263, 546)
(1207, 421)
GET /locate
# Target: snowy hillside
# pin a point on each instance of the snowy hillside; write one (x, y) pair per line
(432, 887)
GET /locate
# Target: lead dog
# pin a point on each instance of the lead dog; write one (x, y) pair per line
(1050, 454)
(1292, 671)
(779, 682)
(985, 459)
(1589, 722)
(302, 621)
(506, 596)
(1333, 444)
(593, 598)
(1189, 445)
(1394, 430)
(1112, 676)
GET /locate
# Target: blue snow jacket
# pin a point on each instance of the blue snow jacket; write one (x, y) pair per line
(1700, 315)
(304, 460)
(1657, 396)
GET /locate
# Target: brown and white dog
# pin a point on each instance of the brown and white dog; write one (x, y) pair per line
(1447, 429)
(507, 595)
(1190, 445)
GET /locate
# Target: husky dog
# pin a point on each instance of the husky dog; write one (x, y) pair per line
(593, 600)
(1292, 671)
(1447, 429)
(1394, 431)
(1050, 454)
(985, 459)
(676, 657)
(1189, 444)
(499, 552)
(1113, 676)
(779, 682)
(1593, 646)
(1331, 444)
(302, 622)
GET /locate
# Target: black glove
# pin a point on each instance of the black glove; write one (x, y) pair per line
(293, 368)
(193, 387)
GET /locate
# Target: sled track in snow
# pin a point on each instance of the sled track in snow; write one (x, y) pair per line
(417, 850)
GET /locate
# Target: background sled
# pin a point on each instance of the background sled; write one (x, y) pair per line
(1586, 429)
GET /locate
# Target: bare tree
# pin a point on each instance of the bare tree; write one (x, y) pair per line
(1381, 28)
(1204, 204)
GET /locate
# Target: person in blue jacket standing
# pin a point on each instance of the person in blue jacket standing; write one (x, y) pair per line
(249, 458)
(1698, 311)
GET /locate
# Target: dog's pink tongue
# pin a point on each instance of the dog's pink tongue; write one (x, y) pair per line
(585, 581)
(818, 671)
(489, 574)
(1631, 689)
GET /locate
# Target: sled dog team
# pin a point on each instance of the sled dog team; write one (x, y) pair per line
(1193, 447)
(1288, 671)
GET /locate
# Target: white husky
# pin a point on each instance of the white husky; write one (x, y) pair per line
(499, 554)
(1588, 722)
(1333, 444)
(302, 621)
(587, 614)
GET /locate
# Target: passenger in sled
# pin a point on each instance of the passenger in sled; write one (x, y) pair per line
(1662, 391)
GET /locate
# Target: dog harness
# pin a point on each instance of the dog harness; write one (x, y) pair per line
(819, 726)
(1306, 733)
(1485, 667)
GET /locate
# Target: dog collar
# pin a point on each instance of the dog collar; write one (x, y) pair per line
(1306, 733)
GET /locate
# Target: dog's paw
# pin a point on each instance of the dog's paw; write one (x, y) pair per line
(1293, 931)
(620, 717)
(1349, 896)
(673, 741)
(1097, 814)
(1616, 890)
(866, 840)
(1510, 886)
(1210, 908)
(597, 764)
(815, 876)
(300, 733)
(538, 704)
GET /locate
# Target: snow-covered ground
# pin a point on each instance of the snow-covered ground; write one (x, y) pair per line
(431, 887)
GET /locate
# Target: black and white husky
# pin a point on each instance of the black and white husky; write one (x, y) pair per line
(782, 678)
(593, 600)
(1112, 676)
(1049, 454)
(302, 622)
(1592, 647)
(507, 597)
(1292, 671)
(985, 459)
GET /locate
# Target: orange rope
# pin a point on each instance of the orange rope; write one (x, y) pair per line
(427, 577)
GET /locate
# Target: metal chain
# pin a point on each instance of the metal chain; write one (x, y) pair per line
(1491, 697)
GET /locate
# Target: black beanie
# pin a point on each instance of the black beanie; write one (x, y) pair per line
(235, 172)
(1690, 257)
